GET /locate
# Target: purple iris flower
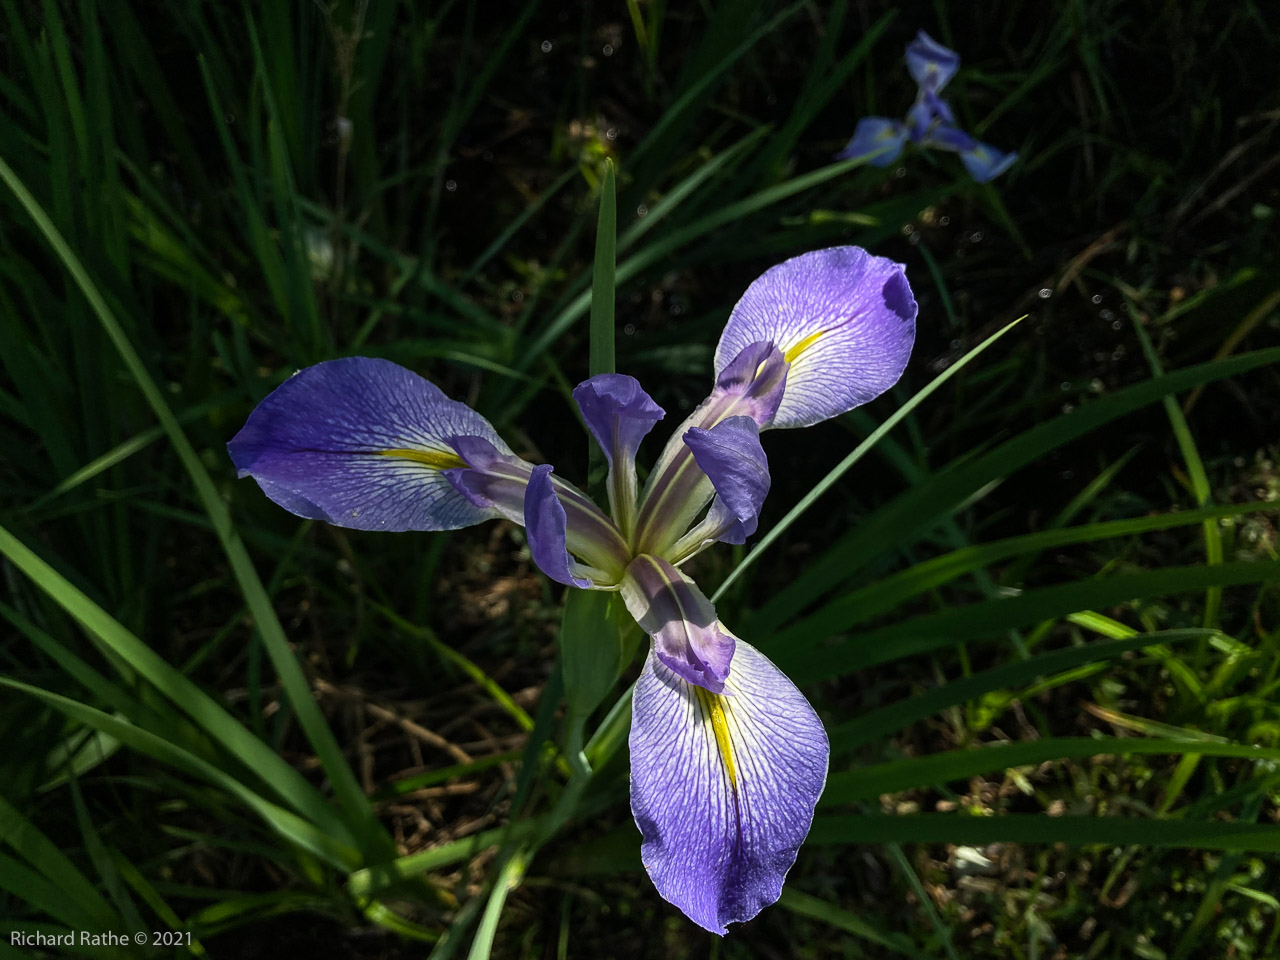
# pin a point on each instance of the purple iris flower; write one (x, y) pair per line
(728, 759)
(930, 121)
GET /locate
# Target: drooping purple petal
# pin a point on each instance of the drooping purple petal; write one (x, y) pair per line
(931, 64)
(948, 137)
(544, 522)
(619, 414)
(879, 139)
(557, 516)
(844, 321)
(984, 162)
(723, 787)
(731, 455)
(361, 443)
(669, 607)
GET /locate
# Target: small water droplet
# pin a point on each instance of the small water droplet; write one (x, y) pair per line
(1067, 408)
(230, 118)
(629, 329)
(1096, 299)
(955, 344)
(517, 295)
(451, 185)
(546, 46)
(1106, 315)
(642, 211)
(975, 237)
(1117, 325)
(1064, 386)
(607, 50)
(1044, 293)
(944, 221)
(611, 133)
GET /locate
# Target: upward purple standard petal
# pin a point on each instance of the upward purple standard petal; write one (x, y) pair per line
(844, 321)
(619, 415)
(361, 443)
(669, 607)
(930, 63)
(723, 786)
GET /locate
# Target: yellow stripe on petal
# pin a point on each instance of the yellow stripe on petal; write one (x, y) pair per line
(713, 706)
(795, 350)
(436, 459)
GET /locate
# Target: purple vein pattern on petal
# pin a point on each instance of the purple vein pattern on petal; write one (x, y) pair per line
(361, 443)
(545, 524)
(723, 787)
(844, 319)
(730, 454)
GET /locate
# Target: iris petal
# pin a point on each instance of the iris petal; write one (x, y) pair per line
(361, 443)
(879, 139)
(723, 787)
(669, 607)
(619, 415)
(930, 63)
(731, 455)
(545, 524)
(984, 162)
(844, 320)
(557, 515)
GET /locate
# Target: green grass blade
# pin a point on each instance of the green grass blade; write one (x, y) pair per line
(42, 853)
(288, 825)
(1039, 829)
(861, 450)
(370, 881)
(676, 239)
(1200, 488)
(881, 722)
(807, 905)
(287, 782)
(925, 503)
(991, 618)
(866, 603)
(678, 195)
(867, 783)
(345, 786)
(602, 283)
